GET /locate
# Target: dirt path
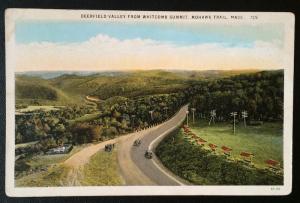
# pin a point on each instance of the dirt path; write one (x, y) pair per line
(77, 161)
(82, 157)
(73, 177)
(92, 99)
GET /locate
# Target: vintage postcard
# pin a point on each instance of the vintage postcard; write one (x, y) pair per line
(148, 103)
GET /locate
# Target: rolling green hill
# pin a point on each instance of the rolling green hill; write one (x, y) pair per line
(213, 74)
(35, 90)
(130, 84)
(142, 83)
(72, 88)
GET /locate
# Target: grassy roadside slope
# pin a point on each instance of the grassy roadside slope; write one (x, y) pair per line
(265, 141)
(54, 173)
(54, 176)
(201, 167)
(102, 169)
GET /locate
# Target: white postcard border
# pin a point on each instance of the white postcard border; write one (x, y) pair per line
(11, 15)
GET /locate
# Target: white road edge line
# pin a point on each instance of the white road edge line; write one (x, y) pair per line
(167, 174)
(155, 161)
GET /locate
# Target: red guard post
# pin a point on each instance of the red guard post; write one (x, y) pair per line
(247, 156)
(212, 147)
(272, 163)
(200, 141)
(226, 150)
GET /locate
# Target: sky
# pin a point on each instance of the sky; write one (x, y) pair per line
(97, 46)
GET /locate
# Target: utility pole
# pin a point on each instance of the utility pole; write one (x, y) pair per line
(233, 114)
(212, 116)
(166, 110)
(151, 113)
(193, 111)
(187, 118)
(132, 116)
(244, 115)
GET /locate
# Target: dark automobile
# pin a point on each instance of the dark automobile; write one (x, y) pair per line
(109, 147)
(148, 154)
(137, 143)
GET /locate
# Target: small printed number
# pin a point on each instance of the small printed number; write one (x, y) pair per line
(254, 17)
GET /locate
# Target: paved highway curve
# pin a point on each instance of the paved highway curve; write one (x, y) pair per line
(135, 168)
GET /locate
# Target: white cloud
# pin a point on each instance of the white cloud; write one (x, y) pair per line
(103, 52)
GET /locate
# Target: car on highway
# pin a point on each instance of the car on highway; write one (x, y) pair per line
(109, 147)
(148, 154)
(137, 142)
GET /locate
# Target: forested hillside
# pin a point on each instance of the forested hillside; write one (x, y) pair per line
(137, 99)
(127, 84)
(261, 94)
(38, 91)
(72, 110)
(130, 85)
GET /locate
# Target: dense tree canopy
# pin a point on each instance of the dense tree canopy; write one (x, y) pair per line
(261, 94)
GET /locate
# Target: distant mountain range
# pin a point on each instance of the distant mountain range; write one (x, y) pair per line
(186, 73)
(55, 74)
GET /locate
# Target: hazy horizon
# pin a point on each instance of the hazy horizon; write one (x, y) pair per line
(158, 69)
(54, 74)
(70, 46)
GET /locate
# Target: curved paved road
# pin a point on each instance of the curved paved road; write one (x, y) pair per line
(135, 168)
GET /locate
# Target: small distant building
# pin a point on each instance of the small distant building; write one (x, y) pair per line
(60, 150)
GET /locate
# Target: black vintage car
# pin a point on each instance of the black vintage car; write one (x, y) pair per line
(109, 147)
(137, 143)
(148, 154)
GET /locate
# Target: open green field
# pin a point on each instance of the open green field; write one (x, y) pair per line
(85, 118)
(102, 169)
(26, 144)
(200, 166)
(265, 142)
(43, 108)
